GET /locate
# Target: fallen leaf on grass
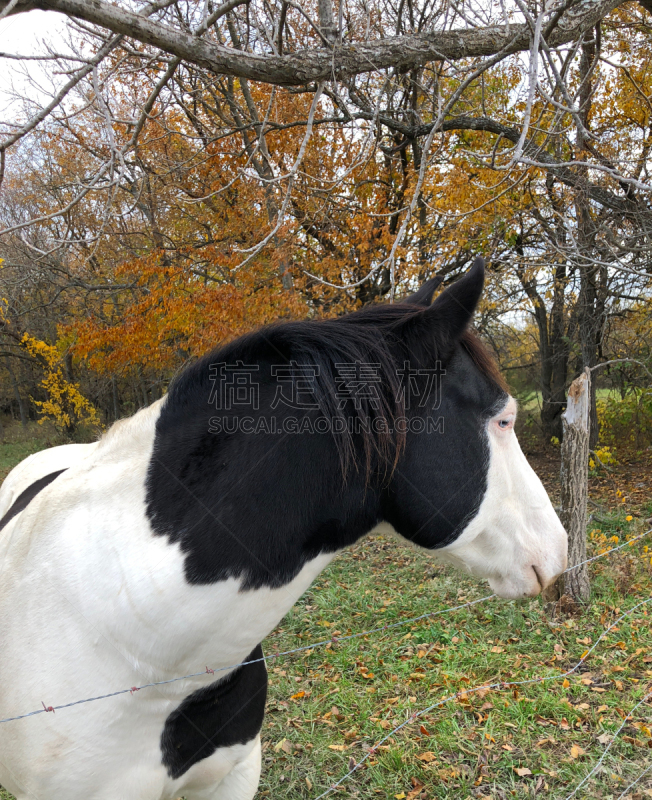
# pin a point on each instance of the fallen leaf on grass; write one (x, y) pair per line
(298, 696)
(496, 649)
(338, 747)
(636, 742)
(424, 730)
(427, 757)
(522, 772)
(283, 745)
(576, 751)
(604, 738)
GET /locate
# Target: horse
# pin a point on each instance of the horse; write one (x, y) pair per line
(183, 536)
(31, 471)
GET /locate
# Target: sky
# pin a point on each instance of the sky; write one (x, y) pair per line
(22, 33)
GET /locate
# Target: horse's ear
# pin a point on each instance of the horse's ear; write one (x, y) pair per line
(424, 296)
(455, 306)
(449, 316)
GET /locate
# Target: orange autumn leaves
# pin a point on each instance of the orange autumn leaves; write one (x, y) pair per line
(176, 315)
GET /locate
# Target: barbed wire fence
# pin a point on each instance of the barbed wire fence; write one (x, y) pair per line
(494, 686)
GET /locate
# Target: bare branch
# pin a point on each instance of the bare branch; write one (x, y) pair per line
(306, 66)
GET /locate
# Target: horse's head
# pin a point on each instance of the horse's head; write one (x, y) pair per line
(462, 486)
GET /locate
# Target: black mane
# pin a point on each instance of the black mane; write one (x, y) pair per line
(243, 501)
(383, 335)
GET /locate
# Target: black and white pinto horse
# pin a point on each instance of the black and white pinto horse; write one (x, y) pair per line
(184, 535)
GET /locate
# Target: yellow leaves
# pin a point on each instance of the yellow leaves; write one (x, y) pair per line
(428, 757)
(298, 696)
(65, 405)
(576, 751)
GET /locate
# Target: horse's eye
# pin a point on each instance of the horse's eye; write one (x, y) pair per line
(505, 423)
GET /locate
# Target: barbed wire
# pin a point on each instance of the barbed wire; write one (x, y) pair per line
(608, 747)
(322, 643)
(498, 686)
(634, 782)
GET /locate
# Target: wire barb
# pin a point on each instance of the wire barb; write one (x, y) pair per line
(371, 751)
(321, 643)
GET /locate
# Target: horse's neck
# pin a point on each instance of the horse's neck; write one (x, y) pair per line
(169, 621)
(255, 507)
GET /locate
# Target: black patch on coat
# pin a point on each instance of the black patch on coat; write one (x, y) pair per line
(258, 504)
(229, 711)
(26, 496)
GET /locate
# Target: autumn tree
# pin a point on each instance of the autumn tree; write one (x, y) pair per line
(202, 168)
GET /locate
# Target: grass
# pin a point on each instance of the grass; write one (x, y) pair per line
(329, 705)
(357, 691)
(16, 443)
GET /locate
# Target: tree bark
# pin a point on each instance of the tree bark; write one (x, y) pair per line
(114, 397)
(305, 66)
(574, 483)
(19, 399)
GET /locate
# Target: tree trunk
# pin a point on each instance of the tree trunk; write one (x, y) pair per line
(19, 399)
(114, 395)
(574, 477)
(575, 483)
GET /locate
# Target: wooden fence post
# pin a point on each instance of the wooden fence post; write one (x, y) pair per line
(574, 477)
(575, 482)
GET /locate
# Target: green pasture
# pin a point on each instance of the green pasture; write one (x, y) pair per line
(329, 705)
